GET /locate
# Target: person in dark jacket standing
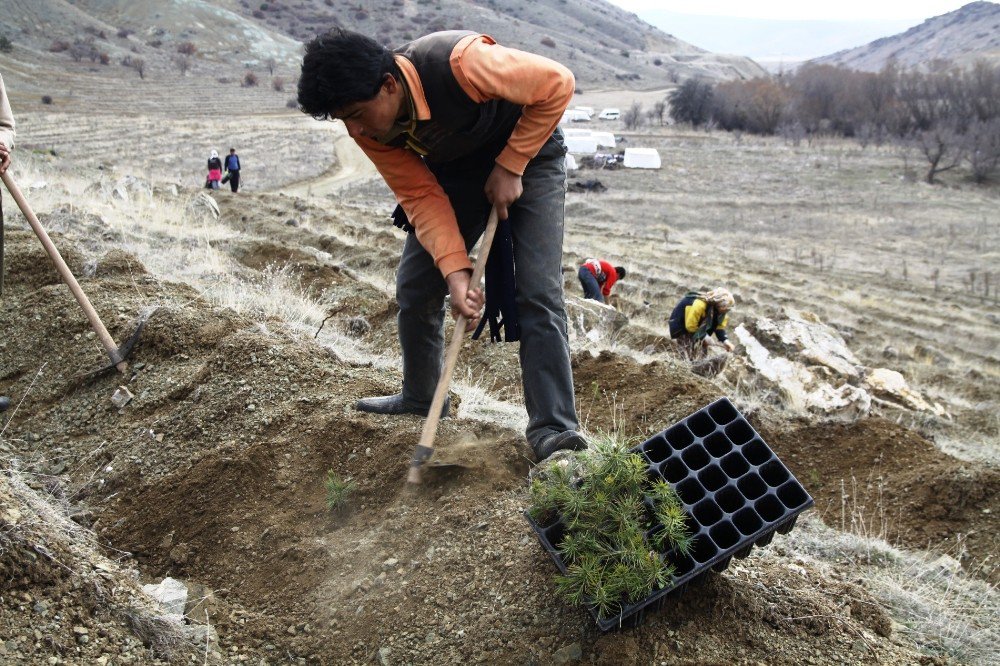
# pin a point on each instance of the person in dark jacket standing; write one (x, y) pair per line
(597, 277)
(455, 123)
(233, 167)
(698, 316)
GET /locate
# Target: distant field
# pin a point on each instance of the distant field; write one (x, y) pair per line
(904, 270)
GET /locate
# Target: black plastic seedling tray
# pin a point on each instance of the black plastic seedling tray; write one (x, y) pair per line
(735, 491)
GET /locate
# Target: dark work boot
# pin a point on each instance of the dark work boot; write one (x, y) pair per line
(394, 404)
(570, 439)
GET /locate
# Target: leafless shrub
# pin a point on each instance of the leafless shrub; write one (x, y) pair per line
(58, 46)
(982, 148)
(46, 99)
(270, 63)
(139, 65)
(183, 64)
(249, 80)
(756, 106)
(292, 104)
(5, 44)
(658, 111)
(187, 48)
(632, 118)
(80, 50)
(123, 33)
(548, 41)
(257, 14)
(278, 84)
(942, 147)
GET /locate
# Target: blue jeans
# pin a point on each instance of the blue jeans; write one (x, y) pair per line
(591, 288)
(537, 229)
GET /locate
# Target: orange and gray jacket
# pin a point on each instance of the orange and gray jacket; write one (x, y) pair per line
(466, 94)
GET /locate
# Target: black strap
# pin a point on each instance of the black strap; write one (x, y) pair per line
(501, 289)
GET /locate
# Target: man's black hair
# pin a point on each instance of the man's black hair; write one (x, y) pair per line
(620, 270)
(341, 67)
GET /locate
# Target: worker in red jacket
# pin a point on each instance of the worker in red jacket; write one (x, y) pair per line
(597, 277)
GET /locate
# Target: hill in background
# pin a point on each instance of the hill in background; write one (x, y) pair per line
(85, 51)
(963, 36)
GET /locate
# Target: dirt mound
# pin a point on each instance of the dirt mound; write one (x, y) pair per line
(885, 480)
(614, 393)
(214, 472)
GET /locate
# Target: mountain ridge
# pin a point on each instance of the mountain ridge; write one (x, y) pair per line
(963, 36)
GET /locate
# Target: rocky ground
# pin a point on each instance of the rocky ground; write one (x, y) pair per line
(213, 473)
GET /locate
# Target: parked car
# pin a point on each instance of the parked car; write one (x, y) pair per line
(610, 114)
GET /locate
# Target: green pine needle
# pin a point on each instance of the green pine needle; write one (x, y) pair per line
(607, 503)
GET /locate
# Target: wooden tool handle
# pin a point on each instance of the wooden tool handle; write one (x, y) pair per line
(426, 445)
(95, 321)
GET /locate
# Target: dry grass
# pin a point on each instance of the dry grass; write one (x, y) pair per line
(939, 607)
(37, 525)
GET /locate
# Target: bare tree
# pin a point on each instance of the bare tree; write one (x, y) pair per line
(942, 147)
(187, 48)
(271, 64)
(982, 148)
(183, 64)
(659, 109)
(139, 65)
(632, 118)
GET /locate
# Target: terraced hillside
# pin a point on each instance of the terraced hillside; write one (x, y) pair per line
(266, 323)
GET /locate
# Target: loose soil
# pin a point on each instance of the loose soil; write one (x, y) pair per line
(214, 473)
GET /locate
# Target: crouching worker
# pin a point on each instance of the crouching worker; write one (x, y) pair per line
(597, 277)
(698, 316)
(455, 123)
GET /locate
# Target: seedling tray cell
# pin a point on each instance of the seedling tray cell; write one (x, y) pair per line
(736, 493)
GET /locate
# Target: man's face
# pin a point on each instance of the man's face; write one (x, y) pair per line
(375, 117)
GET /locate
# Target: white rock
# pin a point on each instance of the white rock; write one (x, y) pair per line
(121, 397)
(171, 594)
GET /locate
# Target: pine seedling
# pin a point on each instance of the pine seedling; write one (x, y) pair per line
(337, 491)
(606, 513)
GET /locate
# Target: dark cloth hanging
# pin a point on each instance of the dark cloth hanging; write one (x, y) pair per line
(501, 289)
(501, 286)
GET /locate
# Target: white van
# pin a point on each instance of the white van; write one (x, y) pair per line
(610, 114)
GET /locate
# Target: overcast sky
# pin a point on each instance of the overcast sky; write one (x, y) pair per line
(843, 10)
(785, 31)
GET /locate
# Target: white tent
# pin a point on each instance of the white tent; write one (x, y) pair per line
(574, 115)
(576, 131)
(581, 144)
(642, 158)
(571, 164)
(606, 139)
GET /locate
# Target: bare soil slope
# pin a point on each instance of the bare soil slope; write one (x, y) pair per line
(214, 473)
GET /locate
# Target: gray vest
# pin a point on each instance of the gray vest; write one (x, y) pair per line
(458, 126)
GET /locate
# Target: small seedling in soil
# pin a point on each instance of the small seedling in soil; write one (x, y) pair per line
(338, 491)
(608, 504)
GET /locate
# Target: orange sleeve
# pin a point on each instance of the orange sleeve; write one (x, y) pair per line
(486, 70)
(425, 203)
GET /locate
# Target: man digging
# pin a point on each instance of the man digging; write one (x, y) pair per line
(456, 123)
